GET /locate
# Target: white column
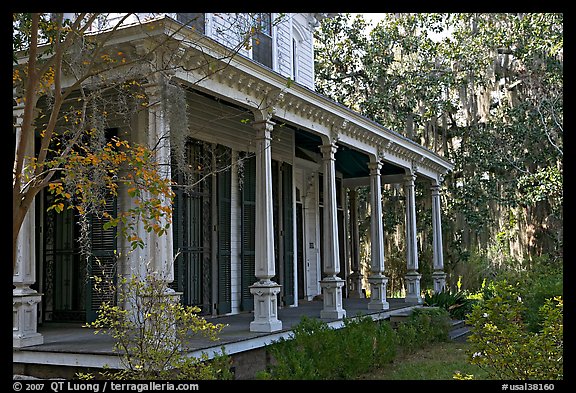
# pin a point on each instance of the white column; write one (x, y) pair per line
(377, 279)
(25, 300)
(438, 276)
(412, 277)
(160, 246)
(331, 284)
(355, 279)
(265, 290)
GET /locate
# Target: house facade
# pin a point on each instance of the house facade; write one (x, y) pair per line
(265, 215)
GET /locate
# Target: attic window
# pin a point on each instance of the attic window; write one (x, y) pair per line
(262, 39)
(196, 21)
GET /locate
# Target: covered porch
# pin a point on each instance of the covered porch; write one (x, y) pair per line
(328, 147)
(69, 348)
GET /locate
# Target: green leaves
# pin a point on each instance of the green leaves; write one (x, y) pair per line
(503, 346)
(152, 329)
(488, 96)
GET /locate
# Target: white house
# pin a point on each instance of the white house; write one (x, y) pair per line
(270, 227)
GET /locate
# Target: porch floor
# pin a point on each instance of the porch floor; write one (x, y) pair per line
(69, 344)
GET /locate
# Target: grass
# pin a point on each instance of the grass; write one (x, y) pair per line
(438, 361)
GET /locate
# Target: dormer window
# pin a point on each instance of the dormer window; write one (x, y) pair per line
(196, 21)
(262, 39)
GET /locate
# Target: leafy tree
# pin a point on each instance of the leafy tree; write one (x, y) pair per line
(70, 87)
(485, 91)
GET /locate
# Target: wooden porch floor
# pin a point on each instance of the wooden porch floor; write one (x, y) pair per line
(69, 344)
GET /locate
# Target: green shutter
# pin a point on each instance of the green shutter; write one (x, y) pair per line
(102, 263)
(288, 233)
(248, 232)
(224, 183)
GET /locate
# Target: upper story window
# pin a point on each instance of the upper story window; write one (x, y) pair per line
(262, 39)
(294, 60)
(196, 21)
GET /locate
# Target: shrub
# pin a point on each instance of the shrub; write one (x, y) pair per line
(318, 352)
(151, 328)
(502, 344)
(424, 325)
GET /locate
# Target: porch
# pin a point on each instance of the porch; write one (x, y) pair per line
(69, 348)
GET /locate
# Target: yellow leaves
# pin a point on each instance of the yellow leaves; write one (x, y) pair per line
(16, 77)
(57, 206)
(106, 58)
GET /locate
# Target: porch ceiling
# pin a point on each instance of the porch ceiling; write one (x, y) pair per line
(350, 162)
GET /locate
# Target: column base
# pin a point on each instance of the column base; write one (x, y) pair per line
(413, 288)
(24, 319)
(439, 279)
(378, 284)
(355, 286)
(265, 307)
(332, 294)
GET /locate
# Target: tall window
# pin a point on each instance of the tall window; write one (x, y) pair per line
(294, 59)
(262, 39)
(194, 20)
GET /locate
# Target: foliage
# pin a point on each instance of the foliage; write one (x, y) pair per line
(92, 175)
(424, 325)
(541, 279)
(458, 304)
(485, 91)
(502, 344)
(319, 352)
(152, 329)
(72, 89)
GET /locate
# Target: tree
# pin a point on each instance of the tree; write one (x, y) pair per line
(485, 91)
(70, 83)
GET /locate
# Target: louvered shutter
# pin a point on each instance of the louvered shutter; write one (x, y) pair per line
(224, 183)
(248, 232)
(102, 263)
(288, 234)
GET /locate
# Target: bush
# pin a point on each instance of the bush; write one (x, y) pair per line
(424, 325)
(318, 352)
(502, 344)
(151, 328)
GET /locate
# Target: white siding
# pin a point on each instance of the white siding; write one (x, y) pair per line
(305, 50)
(284, 46)
(230, 29)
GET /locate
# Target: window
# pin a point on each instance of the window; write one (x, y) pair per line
(196, 21)
(294, 59)
(262, 39)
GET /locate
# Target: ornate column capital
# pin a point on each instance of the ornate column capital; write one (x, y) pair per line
(263, 126)
(375, 167)
(329, 151)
